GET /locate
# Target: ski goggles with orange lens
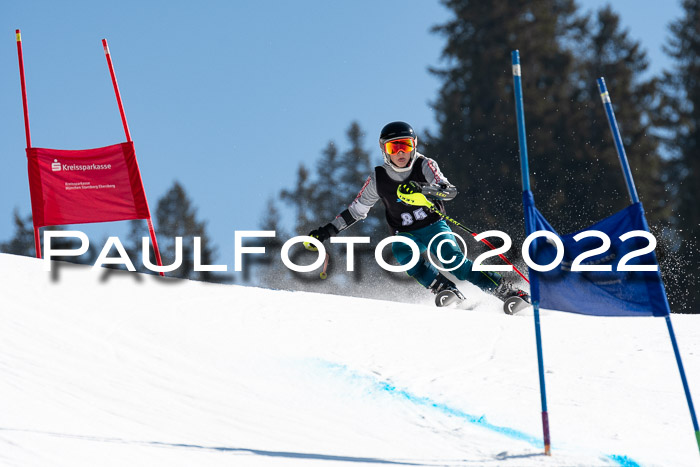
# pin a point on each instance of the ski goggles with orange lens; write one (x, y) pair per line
(395, 146)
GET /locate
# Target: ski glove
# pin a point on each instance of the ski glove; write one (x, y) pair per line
(411, 187)
(324, 233)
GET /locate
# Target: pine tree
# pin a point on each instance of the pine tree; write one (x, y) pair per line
(355, 167)
(318, 198)
(325, 197)
(22, 242)
(177, 217)
(607, 51)
(269, 268)
(476, 144)
(302, 199)
(574, 169)
(681, 118)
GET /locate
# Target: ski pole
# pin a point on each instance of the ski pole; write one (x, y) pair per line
(474, 234)
(419, 199)
(323, 274)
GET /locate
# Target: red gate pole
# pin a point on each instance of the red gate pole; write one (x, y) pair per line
(116, 90)
(24, 88)
(151, 230)
(27, 134)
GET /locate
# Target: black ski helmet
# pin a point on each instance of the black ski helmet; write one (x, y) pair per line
(397, 130)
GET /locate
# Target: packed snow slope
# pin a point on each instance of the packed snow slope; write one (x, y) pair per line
(103, 368)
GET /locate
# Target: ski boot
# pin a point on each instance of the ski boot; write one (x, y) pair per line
(514, 299)
(446, 292)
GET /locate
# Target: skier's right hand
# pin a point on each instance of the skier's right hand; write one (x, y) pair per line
(322, 234)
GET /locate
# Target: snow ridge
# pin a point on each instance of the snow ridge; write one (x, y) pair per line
(112, 368)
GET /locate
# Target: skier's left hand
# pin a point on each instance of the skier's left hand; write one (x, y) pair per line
(411, 187)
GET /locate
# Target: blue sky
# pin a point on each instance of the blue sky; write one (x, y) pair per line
(227, 97)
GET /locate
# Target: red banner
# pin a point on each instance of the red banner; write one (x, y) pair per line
(91, 185)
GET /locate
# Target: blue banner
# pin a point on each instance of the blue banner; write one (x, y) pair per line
(602, 293)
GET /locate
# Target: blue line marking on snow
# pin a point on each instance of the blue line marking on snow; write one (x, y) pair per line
(444, 408)
(624, 461)
(389, 388)
(375, 384)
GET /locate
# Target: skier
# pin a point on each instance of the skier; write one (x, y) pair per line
(408, 171)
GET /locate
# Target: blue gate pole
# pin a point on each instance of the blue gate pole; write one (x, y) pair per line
(524, 169)
(605, 97)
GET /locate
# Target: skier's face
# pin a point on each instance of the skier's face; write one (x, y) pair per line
(400, 159)
(400, 150)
